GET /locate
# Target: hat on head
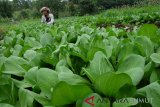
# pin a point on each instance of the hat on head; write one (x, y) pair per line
(44, 9)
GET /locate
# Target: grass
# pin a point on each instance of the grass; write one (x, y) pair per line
(126, 11)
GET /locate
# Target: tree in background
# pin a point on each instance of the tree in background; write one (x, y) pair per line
(106, 4)
(73, 7)
(24, 9)
(74, 1)
(21, 4)
(93, 6)
(5, 9)
(87, 7)
(30, 8)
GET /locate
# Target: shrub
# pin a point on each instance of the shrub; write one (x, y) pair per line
(147, 2)
(5, 9)
(25, 14)
(87, 7)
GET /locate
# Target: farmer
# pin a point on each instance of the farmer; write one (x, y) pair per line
(47, 17)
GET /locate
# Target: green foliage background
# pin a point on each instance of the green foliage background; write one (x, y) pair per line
(30, 8)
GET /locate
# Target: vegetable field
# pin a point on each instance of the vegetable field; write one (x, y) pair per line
(82, 62)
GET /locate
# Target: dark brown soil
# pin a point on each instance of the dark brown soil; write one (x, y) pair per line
(127, 27)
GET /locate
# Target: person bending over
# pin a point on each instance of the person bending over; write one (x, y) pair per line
(47, 16)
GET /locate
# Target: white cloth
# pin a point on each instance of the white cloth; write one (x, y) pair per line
(43, 20)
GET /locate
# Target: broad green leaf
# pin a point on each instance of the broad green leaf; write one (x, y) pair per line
(86, 30)
(152, 92)
(158, 50)
(8, 40)
(136, 74)
(6, 89)
(68, 60)
(98, 66)
(71, 78)
(71, 38)
(39, 98)
(133, 65)
(115, 46)
(62, 38)
(155, 75)
(83, 40)
(47, 79)
(5, 52)
(5, 92)
(15, 65)
(149, 30)
(113, 41)
(17, 50)
(48, 56)
(49, 106)
(155, 57)
(128, 90)
(21, 84)
(25, 99)
(79, 52)
(126, 50)
(60, 66)
(66, 75)
(79, 103)
(125, 102)
(140, 49)
(24, 49)
(65, 94)
(30, 54)
(111, 32)
(147, 68)
(2, 60)
(31, 76)
(36, 61)
(5, 105)
(46, 39)
(97, 44)
(5, 79)
(13, 94)
(109, 83)
(146, 43)
(92, 51)
(63, 69)
(31, 41)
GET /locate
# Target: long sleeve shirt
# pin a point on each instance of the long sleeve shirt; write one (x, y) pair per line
(48, 20)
